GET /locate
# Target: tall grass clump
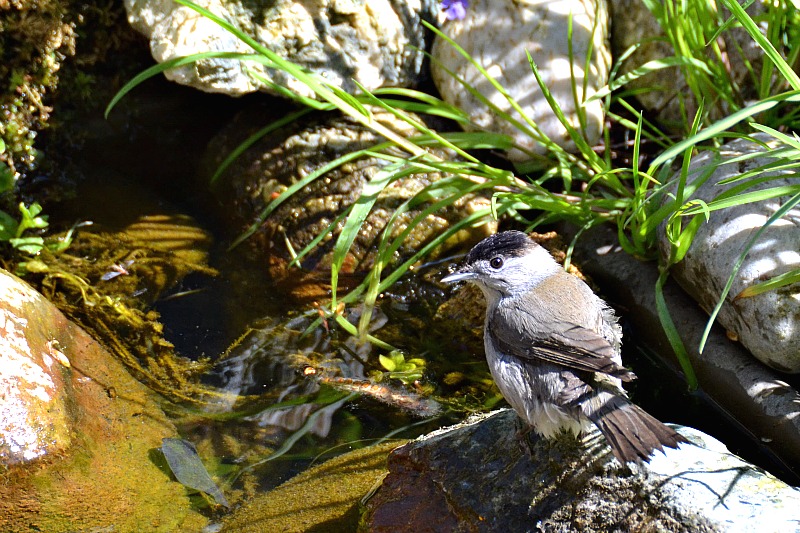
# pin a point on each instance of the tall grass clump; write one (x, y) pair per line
(588, 188)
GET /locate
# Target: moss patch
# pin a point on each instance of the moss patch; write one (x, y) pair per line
(324, 498)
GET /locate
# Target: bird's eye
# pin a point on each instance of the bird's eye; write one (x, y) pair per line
(496, 262)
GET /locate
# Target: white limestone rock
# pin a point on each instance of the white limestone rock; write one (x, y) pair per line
(369, 41)
(497, 34)
(768, 324)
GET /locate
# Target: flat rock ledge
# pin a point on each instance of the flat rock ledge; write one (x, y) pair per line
(481, 476)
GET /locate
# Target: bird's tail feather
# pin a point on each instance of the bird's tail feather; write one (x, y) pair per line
(632, 433)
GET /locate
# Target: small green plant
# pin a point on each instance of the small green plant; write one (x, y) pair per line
(13, 231)
(397, 367)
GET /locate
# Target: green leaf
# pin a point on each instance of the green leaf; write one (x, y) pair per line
(741, 199)
(672, 332)
(387, 363)
(8, 226)
(6, 177)
(181, 455)
(358, 214)
(29, 245)
(30, 218)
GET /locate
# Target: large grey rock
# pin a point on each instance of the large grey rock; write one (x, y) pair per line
(768, 324)
(497, 34)
(479, 476)
(374, 42)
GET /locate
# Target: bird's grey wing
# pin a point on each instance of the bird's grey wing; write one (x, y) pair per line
(575, 388)
(567, 345)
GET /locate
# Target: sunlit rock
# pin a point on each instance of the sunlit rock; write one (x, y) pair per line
(482, 476)
(767, 324)
(34, 419)
(375, 43)
(498, 34)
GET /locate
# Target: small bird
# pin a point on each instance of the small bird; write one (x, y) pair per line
(553, 348)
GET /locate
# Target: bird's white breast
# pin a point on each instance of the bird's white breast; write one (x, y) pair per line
(531, 391)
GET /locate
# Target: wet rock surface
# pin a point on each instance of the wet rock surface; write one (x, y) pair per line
(285, 157)
(767, 324)
(78, 431)
(34, 421)
(375, 43)
(497, 34)
(479, 476)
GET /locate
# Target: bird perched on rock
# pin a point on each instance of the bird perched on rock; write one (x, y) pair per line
(553, 348)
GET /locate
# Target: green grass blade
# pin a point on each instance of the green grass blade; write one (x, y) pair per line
(317, 239)
(355, 219)
(782, 280)
(447, 195)
(742, 199)
(254, 138)
(352, 330)
(167, 65)
(723, 125)
(671, 331)
(769, 50)
(298, 185)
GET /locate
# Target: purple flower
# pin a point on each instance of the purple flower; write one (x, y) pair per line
(455, 9)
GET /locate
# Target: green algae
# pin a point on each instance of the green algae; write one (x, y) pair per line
(323, 498)
(35, 37)
(105, 281)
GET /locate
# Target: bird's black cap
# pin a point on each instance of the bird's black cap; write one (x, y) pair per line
(506, 243)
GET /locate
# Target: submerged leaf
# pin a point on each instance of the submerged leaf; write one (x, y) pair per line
(184, 462)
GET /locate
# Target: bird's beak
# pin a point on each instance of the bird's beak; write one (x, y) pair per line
(463, 274)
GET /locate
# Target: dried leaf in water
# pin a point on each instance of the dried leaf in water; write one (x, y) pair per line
(184, 462)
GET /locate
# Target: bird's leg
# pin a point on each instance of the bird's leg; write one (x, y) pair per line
(522, 434)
